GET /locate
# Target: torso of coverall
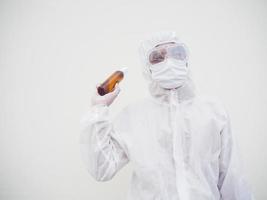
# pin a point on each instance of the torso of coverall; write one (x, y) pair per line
(180, 146)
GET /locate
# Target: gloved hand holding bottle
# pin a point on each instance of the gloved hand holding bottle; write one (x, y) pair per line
(106, 99)
(109, 89)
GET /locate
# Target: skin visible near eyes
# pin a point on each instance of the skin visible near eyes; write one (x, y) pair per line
(159, 55)
(170, 49)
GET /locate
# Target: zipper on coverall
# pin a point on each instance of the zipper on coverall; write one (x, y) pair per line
(177, 142)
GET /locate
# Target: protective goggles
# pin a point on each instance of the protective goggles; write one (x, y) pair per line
(173, 50)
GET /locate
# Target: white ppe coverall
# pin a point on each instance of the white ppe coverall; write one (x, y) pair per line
(180, 144)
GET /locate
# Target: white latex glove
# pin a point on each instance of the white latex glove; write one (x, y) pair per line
(107, 99)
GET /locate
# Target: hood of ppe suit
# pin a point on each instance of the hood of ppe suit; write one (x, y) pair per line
(186, 91)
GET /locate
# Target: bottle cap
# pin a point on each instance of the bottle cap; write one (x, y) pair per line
(124, 70)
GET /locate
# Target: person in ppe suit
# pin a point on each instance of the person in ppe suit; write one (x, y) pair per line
(180, 144)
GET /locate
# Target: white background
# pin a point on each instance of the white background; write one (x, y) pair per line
(53, 53)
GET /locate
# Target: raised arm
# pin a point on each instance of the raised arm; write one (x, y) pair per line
(103, 152)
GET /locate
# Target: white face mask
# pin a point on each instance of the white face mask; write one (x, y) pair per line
(169, 74)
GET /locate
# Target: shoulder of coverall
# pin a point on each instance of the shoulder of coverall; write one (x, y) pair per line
(214, 105)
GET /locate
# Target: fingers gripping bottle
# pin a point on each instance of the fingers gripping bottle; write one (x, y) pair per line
(109, 84)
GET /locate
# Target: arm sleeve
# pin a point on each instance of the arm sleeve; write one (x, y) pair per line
(232, 184)
(102, 150)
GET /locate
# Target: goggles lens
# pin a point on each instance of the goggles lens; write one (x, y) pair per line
(159, 54)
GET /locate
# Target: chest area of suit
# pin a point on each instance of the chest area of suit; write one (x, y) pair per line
(187, 131)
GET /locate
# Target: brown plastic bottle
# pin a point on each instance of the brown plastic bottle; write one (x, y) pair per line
(109, 84)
